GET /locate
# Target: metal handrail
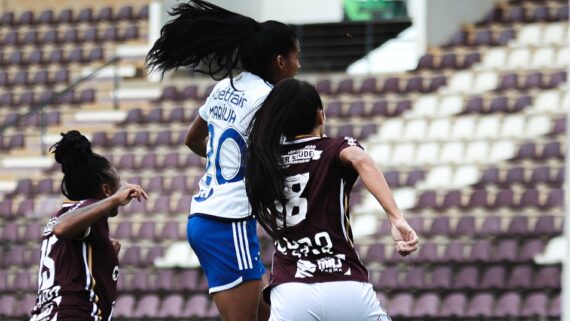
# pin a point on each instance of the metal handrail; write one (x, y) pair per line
(39, 107)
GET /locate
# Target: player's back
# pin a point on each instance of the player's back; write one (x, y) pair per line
(316, 244)
(228, 111)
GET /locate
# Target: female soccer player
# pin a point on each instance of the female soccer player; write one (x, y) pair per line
(79, 265)
(221, 230)
(299, 191)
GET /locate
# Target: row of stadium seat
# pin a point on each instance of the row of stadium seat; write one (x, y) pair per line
(69, 16)
(56, 56)
(490, 224)
(70, 36)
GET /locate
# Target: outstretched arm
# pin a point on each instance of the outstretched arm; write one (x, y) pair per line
(197, 135)
(74, 223)
(373, 179)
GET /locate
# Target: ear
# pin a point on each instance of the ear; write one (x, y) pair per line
(106, 190)
(280, 60)
(321, 118)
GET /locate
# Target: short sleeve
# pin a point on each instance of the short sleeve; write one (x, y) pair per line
(204, 112)
(341, 144)
(345, 143)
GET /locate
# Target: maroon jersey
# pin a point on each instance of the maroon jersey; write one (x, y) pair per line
(317, 245)
(77, 279)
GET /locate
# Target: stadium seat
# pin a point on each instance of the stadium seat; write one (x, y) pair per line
(171, 306)
(440, 226)
(535, 305)
(125, 306)
(388, 279)
(520, 277)
(480, 306)
(196, 307)
(465, 225)
(426, 306)
(554, 310)
(493, 277)
(547, 277)
(467, 277)
(453, 306)
(441, 278)
(508, 305)
(401, 305)
(147, 306)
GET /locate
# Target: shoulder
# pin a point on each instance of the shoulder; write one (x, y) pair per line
(254, 86)
(73, 205)
(340, 141)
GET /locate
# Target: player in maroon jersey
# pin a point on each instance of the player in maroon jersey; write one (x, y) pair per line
(79, 266)
(299, 190)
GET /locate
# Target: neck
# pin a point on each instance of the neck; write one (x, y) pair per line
(316, 132)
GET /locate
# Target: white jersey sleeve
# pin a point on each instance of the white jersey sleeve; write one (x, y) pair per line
(228, 112)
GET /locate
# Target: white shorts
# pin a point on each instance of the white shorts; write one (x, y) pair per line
(328, 301)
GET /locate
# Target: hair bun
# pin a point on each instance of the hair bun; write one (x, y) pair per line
(72, 149)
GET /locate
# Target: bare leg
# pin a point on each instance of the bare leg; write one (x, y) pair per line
(264, 309)
(240, 303)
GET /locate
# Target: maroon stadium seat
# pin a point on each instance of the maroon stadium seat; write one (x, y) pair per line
(196, 307)
(453, 306)
(508, 305)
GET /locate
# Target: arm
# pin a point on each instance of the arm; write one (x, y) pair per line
(197, 135)
(74, 223)
(374, 181)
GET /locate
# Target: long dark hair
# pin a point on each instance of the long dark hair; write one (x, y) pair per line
(84, 171)
(289, 110)
(203, 35)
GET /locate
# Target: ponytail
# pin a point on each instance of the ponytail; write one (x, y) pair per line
(214, 41)
(289, 110)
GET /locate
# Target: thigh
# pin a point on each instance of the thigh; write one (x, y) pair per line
(239, 303)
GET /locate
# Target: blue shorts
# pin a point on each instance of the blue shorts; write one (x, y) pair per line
(228, 251)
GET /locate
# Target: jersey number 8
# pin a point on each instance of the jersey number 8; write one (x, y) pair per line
(296, 207)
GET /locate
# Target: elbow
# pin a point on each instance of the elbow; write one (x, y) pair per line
(193, 145)
(60, 231)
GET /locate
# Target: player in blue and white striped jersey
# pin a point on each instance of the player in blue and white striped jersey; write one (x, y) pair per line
(221, 229)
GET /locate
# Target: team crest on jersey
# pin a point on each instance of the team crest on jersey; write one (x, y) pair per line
(350, 141)
(303, 155)
(115, 274)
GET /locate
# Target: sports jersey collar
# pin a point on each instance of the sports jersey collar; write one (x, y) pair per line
(247, 74)
(300, 140)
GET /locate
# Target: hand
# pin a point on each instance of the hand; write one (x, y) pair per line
(116, 245)
(127, 192)
(405, 237)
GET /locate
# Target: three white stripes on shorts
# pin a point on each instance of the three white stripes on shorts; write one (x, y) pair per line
(241, 244)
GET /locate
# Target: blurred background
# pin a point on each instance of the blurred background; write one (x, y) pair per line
(462, 104)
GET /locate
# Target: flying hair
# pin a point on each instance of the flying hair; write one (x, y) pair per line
(215, 41)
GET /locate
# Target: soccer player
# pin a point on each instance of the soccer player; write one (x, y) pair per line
(298, 183)
(79, 265)
(221, 230)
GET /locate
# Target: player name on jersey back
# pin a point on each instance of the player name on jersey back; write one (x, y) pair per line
(228, 112)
